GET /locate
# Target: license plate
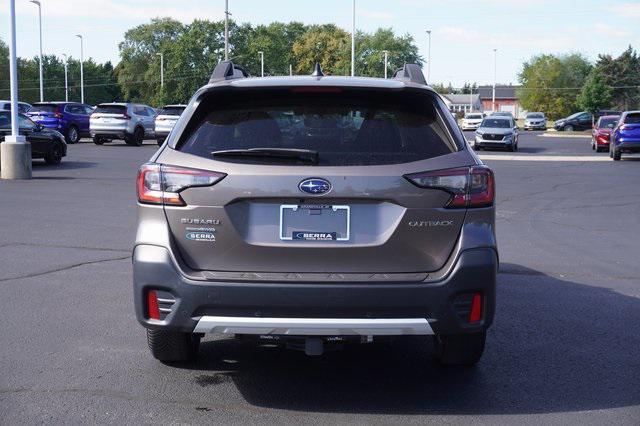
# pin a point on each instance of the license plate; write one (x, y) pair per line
(315, 222)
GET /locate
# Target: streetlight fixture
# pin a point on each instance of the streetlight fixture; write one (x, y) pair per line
(261, 53)
(161, 69)
(429, 57)
(386, 62)
(15, 152)
(353, 41)
(81, 67)
(495, 73)
(66, 80)
(37, 3)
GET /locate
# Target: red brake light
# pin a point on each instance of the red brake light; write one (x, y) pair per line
(57, 115)
(476, 308)
(469, 186)
(161, 184)
(152, 305)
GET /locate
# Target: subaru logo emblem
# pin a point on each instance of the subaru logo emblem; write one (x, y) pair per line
(315, 186)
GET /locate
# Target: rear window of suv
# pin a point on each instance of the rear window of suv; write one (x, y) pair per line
(633, 118)
(171, 110)
(44, 108)
(345, 128)
(111, 109)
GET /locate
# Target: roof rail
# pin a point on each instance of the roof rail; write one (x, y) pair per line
(412, 73)
(227, 70)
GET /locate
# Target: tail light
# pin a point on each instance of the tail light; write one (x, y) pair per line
(161, 184)
(126, 116)
(57, 115)
(468, 186)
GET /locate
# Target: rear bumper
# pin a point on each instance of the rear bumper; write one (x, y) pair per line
(115, 131)
(627, 145)
(321, 308)
(535, 126)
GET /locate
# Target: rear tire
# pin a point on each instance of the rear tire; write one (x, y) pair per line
(98, 140)
(73, 135)
(568, 128)
(460, 349)
(617, 155)
(173, 346)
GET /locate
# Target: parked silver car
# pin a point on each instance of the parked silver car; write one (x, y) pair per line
(535, 121)
(315, 211)
(497, 132)
(23, 107)
(132, 122)
(166, 119)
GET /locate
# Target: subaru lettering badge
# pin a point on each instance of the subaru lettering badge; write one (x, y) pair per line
(315, 186)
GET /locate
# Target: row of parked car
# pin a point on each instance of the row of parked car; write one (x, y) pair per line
(617, 133)
(104, 122)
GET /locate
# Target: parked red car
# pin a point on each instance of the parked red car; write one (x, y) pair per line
(602, 131)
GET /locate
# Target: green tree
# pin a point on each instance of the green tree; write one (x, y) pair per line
(552, 83)
(327, 44)
(370, 56)
(622, 74)
(595, 94)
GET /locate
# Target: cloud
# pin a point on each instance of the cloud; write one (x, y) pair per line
(497, 40)
(626, 10)
(608, 30)
(114, 9)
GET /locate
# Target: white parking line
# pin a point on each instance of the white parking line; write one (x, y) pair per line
(525, 157)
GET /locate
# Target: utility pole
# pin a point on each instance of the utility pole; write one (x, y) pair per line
(226, 30)
(37, 3)
(290, 69)
(495, 73)
(386, 61)
(261, 63)
(15, 151)
(81, 67)
(429, 58)
(353, 41)
(161, 69)
(66, 79)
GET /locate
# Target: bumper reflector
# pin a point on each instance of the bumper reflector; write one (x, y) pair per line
(152, 305)
(476, 308)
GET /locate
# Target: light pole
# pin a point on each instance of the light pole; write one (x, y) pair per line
(15, 152)
(66, 80)
(226, 30)
(37, 3)
(353, 41)
(290, 69)
(161, 69)
(429, 57)
(261, 53)
(386, 61)
(81, 67)
(495, 73)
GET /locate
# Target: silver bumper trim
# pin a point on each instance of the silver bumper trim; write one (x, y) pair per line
(314, 326)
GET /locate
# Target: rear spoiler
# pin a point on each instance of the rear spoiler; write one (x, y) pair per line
(412, 73)
(227, 70)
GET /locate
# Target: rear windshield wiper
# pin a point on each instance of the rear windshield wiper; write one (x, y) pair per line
(306, 155)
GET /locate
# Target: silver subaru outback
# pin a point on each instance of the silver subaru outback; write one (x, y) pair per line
(315, 211)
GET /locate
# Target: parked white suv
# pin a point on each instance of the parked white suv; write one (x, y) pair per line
(166, 119)
(472, 120)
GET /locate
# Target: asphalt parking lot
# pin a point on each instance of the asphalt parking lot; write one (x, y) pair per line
(564, 348)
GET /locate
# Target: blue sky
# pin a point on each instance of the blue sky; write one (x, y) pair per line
(464, 32)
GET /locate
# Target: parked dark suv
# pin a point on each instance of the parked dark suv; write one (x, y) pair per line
(314, 211)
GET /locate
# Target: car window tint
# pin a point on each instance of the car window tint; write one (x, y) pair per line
(345, 130)
(44, 108)
(5, 120)
(111, 109)
(496, 122)
(171, 111)
(25, 123)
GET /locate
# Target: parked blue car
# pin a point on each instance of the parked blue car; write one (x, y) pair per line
(625, 137)
(69, 118)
